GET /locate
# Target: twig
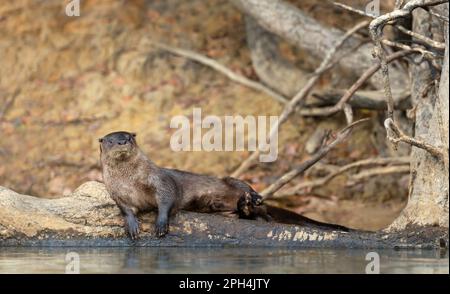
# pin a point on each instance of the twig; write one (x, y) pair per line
(441, 17)
(365, 99)
(395, 135)
(75, 121)
(427, 54)
(286, 178)
(222, 69)
(428, 41)
(301, 95)
(430, 56)
(354, 165)
(354, 10)
(379, 171)
(325, 111)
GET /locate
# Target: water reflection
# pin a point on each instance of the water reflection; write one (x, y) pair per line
(219, 260)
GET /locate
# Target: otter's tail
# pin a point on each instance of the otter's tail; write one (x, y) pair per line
(275, 213)
(289, 217)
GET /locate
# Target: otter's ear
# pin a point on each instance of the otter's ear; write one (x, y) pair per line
(100, 140)
(133, 134)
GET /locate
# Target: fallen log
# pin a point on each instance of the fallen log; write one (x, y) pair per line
(88, 217)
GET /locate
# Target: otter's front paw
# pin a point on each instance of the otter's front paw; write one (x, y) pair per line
(161, 228)
(132, 228)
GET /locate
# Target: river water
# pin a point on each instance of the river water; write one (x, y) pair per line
(217, 260)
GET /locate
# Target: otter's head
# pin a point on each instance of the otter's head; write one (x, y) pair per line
(118, 146)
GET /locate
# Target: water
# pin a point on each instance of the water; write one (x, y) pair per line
(218, 260)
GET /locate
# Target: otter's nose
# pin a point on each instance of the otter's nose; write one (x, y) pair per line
(122, 142)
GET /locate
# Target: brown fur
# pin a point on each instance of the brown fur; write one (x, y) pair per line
(137, 184)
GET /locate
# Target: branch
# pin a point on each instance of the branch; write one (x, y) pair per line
(441, 17)
(430, 56)
(376, 30)
(361, 99)
(303, 31)
(89, 217)
(428, 41)
(377, 25)
(296, 190)
(221, 69)
(425, 53)
(395, 135)
(380, 171)
(286, 178)
(325, 111)
(284, 77)
(300, 96)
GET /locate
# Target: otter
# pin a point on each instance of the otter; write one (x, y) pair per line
(137, 184)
